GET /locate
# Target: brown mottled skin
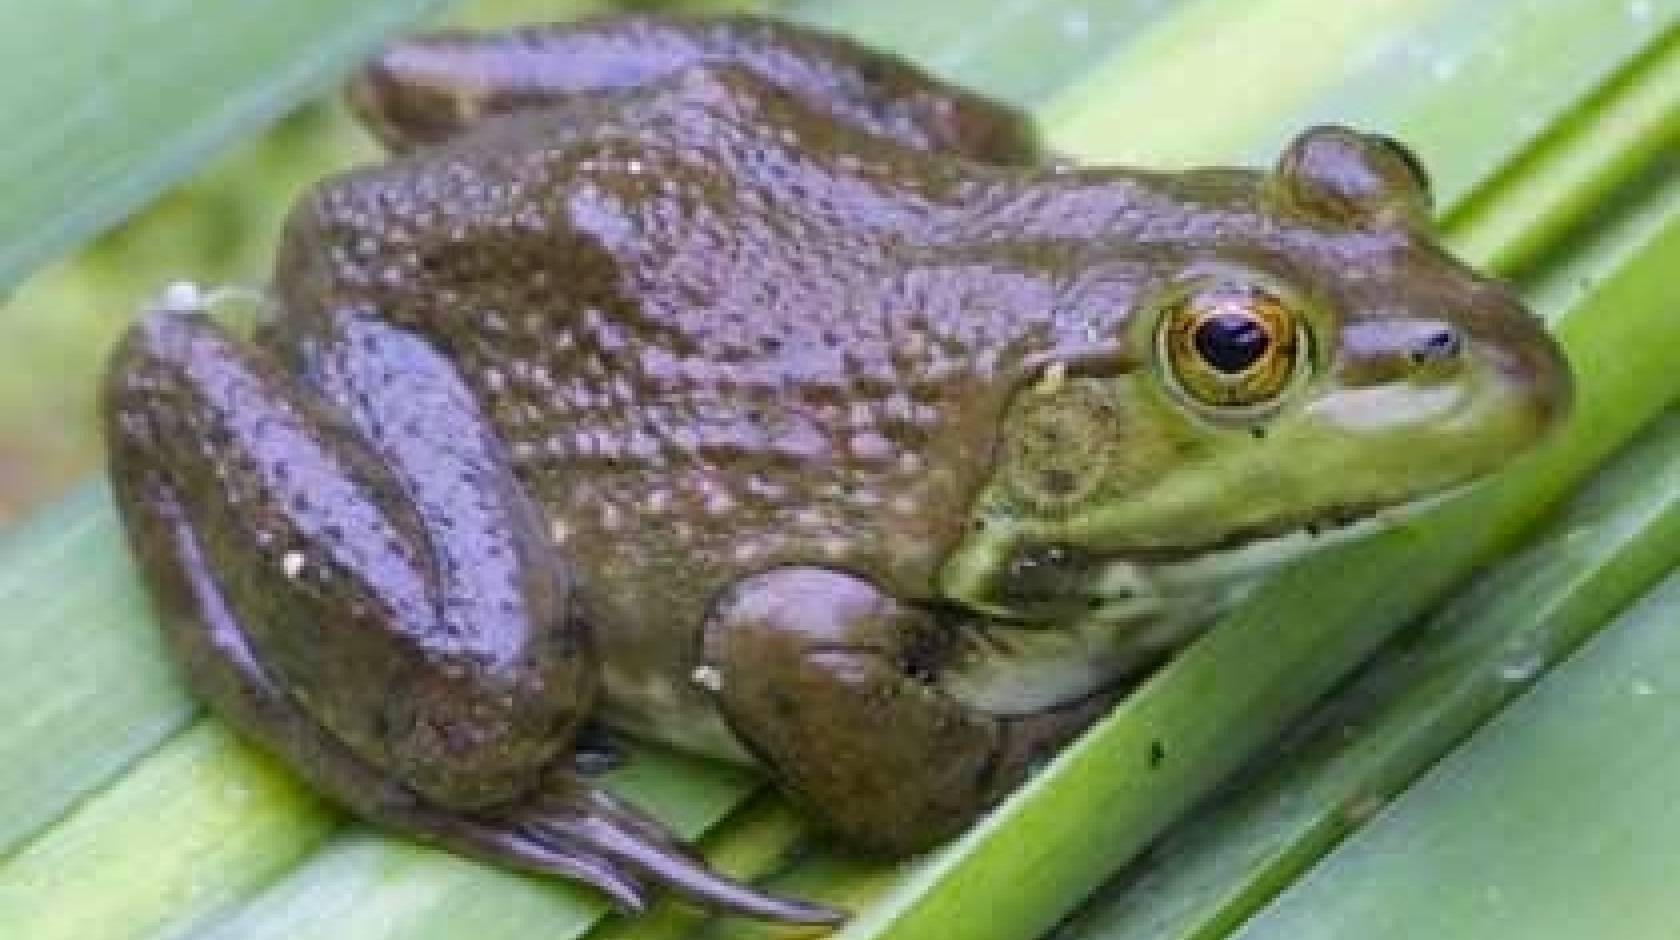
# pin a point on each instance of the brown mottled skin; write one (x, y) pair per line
(758, 392)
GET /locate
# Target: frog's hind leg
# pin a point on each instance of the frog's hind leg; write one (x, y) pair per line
(352, 577)
(835, 685)
(426, 89)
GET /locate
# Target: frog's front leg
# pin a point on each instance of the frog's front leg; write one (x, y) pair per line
(353, 577)
(429, 88)
(835, 686)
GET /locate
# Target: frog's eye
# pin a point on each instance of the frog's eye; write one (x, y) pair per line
(1345, 176)
(1232, 350)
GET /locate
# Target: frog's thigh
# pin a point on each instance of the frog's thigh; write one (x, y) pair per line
(378, 558)
(425, 89)
(834, 685)
(454, 731)
(210, 643)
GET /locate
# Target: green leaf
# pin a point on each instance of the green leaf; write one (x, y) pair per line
(1629, 127)
(1218, 79)
(1556, 820)
(362, 885)
(88, 689)
(198, 825)
(106, 102)
(1100, 801)
(1023, 51)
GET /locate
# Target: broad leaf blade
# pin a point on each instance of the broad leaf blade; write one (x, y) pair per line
(105, 103)
(1416, 701)
(425, 902)
(1558, 820)
(88, 689)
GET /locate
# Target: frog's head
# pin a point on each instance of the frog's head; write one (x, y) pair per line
(1299, 363)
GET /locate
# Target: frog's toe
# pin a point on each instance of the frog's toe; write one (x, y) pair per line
(588, 834)
(517, 847)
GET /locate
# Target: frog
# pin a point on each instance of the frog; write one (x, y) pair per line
(727, 383)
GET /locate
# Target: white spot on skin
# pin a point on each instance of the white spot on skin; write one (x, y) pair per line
(611, 518)
(707, 677)
(869, 445)
(182, 297)
(809, 520)
(719, 502)
(1051, 381)
(292, 564)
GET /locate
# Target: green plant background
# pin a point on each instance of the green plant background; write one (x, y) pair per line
(216, 226)
(1411, 802)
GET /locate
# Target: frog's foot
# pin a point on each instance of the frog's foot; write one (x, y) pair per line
(427, 89)
(351, 575)
(585, 833)
(836, 687)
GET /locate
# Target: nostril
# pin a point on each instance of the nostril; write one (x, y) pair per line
(1437, 345)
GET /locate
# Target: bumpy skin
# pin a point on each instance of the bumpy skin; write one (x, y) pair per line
(759, 393)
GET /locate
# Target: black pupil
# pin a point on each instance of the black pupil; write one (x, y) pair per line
(1231, 342)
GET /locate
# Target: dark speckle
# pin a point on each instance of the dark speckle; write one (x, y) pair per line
(1058, 481)
(1157, 753)
(596, 753)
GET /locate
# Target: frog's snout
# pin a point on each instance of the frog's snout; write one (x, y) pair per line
(1526, 361)
(1539, 375)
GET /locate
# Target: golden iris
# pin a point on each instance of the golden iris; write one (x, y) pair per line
(1232, 348)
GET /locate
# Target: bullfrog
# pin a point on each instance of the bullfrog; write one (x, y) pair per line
(729, 384)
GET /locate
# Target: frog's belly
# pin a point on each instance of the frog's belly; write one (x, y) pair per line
(653, 706)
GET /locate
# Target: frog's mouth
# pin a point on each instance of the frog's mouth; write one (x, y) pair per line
(1063, 624)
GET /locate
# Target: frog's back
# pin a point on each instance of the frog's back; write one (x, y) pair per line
(716, 333)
